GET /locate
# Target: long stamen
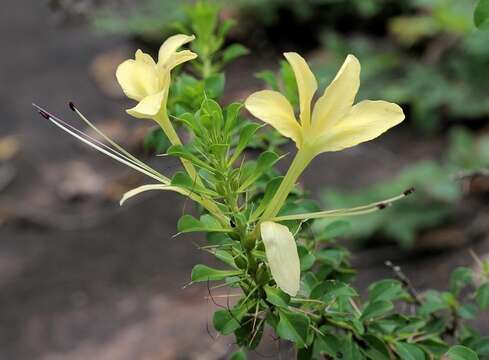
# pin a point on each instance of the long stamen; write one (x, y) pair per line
(123, 152)
(359, 210)
(118, 157)
(79, 132)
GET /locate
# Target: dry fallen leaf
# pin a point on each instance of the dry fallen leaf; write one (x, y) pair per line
(81, 181)
(9, 147)
(103, 69)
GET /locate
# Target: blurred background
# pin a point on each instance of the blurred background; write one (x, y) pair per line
(82, 278)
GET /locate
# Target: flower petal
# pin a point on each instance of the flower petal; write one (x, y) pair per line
(366, 121)
(131, 193)
(145, 58)
(274, 109)
(138, 78)
(168, 55)
(149, 106)
(306, 83)
(338, 97)
(282, 256)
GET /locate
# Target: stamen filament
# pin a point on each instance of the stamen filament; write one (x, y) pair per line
(117, 157)
(359, 210)
(128, 155)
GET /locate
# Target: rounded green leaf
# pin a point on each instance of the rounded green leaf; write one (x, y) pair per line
(459, 352)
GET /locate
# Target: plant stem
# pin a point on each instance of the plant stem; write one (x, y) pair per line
(300, 162)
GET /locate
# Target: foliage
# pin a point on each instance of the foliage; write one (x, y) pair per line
(481, 15)
(437, 195)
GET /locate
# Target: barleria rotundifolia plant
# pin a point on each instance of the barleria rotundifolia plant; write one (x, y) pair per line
(260, 226)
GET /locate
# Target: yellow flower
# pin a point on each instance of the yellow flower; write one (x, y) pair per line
(282, 256)
(148, 82)
(334, 122)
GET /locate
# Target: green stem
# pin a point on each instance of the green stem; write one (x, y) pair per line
(163, 120)
(300, 162)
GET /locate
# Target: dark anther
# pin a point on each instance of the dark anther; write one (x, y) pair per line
(408, 191)
(231, 222)
(72, 106)
(381, 206)
(43, 114)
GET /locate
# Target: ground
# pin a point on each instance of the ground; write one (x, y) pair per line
(81, 277)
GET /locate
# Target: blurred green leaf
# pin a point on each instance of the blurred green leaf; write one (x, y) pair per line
(481, 15)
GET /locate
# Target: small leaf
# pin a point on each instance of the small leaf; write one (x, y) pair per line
(156, 141)
(207, 223)
(377, 350)
(277, 297)
(386, 289)
(233, 52)
(481, 15)
(269, 77)
(238, 355)
(459, 352)
(232, 115)
(225, 322)
(270, 190)
(482, 296)
(245, 136)
(214, 86)
(182, 152)
(335, 229)
(329, 290)
(461, 277)
(306, 258)
(293, 327)
(204, 273)
(377, 309)
(333, 257)
(409, 351)
(265, 161)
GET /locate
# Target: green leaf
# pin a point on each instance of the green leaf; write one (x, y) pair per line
(207, 223)
(329, 290)
(306, 258)
(214, 86)
(293, 327)
(460, 278)
(376, 309)
(245, 136)
(265, 161)
(335, 229)
(182, 152)
(333, 257)
(213, 109)
(459, 352)
(232, 115)
(270, 190)
(205, 273)
(377, 350)
(482, 296)
(269, 77)
(225, 322)
(386, 289)
(409, 351)
(156, 141)
(481, 15)
(238, 355)
(277, 297)
(233, 52)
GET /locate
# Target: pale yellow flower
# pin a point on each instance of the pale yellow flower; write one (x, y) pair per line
(148, 82)
(282, 256)
(334, 122)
